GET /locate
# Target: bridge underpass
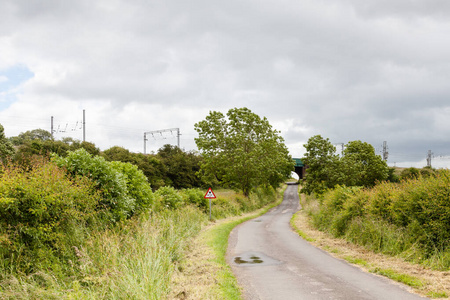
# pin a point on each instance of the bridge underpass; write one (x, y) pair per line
(299, 168)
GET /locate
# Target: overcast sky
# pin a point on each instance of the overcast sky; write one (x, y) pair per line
(372, 70)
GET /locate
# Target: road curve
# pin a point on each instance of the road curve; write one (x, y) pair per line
(270, 261)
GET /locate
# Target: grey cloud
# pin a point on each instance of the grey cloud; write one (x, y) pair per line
(369, 70)
(402, 8)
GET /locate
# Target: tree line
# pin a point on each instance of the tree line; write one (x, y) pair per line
(239, 150)
(170, 166)
(357, 166)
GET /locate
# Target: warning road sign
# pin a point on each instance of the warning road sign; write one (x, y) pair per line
(210, 194)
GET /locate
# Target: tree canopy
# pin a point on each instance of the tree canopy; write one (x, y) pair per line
(6, 147)
(181, 167)
(170, 166)
(30, 135)
(322, 162)
(362, 166)
(242, 150)
(358, 166)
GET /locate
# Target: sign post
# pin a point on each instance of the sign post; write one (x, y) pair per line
(210, 195)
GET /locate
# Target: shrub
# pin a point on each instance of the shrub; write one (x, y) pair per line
(264, 194)
(137, 185)
(410, 173)
(169, 198)
(196, 197)
(42, 214)
(380, 200)
(336, 198)
(110, 182)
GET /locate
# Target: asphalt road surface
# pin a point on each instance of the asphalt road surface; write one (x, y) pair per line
(270, 261)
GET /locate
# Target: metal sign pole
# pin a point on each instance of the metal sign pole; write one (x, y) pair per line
(210, 195)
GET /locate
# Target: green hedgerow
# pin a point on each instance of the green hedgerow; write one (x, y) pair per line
(110, 182)
(42, 214)
(137, 184)
(412, 216)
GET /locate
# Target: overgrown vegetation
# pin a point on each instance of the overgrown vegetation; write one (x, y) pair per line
(42, 216)
(169, 167)
(78, 223)
(132, 261)
(80, 227)
(124, 189)
(356, 197)
(410, 218)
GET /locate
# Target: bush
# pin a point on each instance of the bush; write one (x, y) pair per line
(426, 201)
(169, 198)
(196, 197)
(42, 215)
(111, 183)
(137, 185)
(410, 173)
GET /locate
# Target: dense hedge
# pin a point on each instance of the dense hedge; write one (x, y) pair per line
(42, 215)
(413, 215)
(50, 209)
(124, 188)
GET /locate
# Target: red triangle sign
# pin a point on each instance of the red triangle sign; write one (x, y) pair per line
(210, 194)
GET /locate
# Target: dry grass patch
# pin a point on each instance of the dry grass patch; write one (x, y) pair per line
(424, 281)
(196, 275)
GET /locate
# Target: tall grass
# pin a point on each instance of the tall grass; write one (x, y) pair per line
(140, 258)
(410, 219)
(134, 261)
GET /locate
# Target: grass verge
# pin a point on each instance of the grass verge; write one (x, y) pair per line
(409, 280)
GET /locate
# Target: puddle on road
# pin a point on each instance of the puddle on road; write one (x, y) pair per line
(254, 258)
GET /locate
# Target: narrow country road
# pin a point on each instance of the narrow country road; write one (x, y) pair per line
(270, 261)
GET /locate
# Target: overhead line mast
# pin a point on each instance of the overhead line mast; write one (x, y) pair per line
(161, 131)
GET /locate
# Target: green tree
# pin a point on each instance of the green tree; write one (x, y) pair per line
(88, 146)
(37, 147)
(181, 167)
(31, 135)
(117, 153)
(323, 167)
(150, 165)
(6, 147)
(242, 150)
(362, 166)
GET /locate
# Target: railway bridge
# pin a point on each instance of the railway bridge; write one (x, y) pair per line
(299, 168)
